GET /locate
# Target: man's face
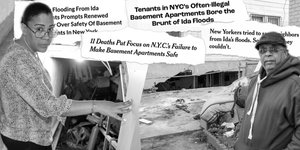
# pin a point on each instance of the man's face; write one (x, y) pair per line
(271, 55)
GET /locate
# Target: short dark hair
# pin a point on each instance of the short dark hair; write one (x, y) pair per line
(34, 9)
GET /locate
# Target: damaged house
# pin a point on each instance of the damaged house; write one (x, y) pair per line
(218, 70)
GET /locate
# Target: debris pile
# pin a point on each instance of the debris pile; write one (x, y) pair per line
(180, 104)
(225, 132)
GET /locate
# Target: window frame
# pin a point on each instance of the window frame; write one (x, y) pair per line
(266, 18)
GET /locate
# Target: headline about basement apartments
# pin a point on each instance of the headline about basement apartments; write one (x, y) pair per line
(69, 13)
(202, 9)
(182, 11)
(105, 47)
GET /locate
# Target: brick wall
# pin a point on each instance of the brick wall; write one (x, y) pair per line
(294, 12)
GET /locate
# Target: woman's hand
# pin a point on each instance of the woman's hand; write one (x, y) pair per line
(112, 109)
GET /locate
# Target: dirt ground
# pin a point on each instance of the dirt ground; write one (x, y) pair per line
(174, 128)
(179, 141)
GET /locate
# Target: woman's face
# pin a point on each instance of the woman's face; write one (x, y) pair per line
(39, 24)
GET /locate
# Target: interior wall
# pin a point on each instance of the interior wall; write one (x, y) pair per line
(57, 69)
(6, 24)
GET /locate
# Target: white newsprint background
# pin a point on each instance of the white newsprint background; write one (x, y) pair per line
(143, 47)
(74, 18)
(134, 31)
(239, 38)
(178, 15)
(110, 23)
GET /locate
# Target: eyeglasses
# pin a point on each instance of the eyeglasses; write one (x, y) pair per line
(272, 49)
(40, 32)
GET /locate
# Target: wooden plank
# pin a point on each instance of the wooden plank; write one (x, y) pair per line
(203, 124)
(145, 121)
(211, 138)
(129, 136)
(58, 126)
(136, 140)
(215, 142)
(109, 139)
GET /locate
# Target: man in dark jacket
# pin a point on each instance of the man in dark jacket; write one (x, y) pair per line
(272, 112)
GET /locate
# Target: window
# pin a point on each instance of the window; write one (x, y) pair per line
(274, 20)
(257, 18)
(265, 18)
